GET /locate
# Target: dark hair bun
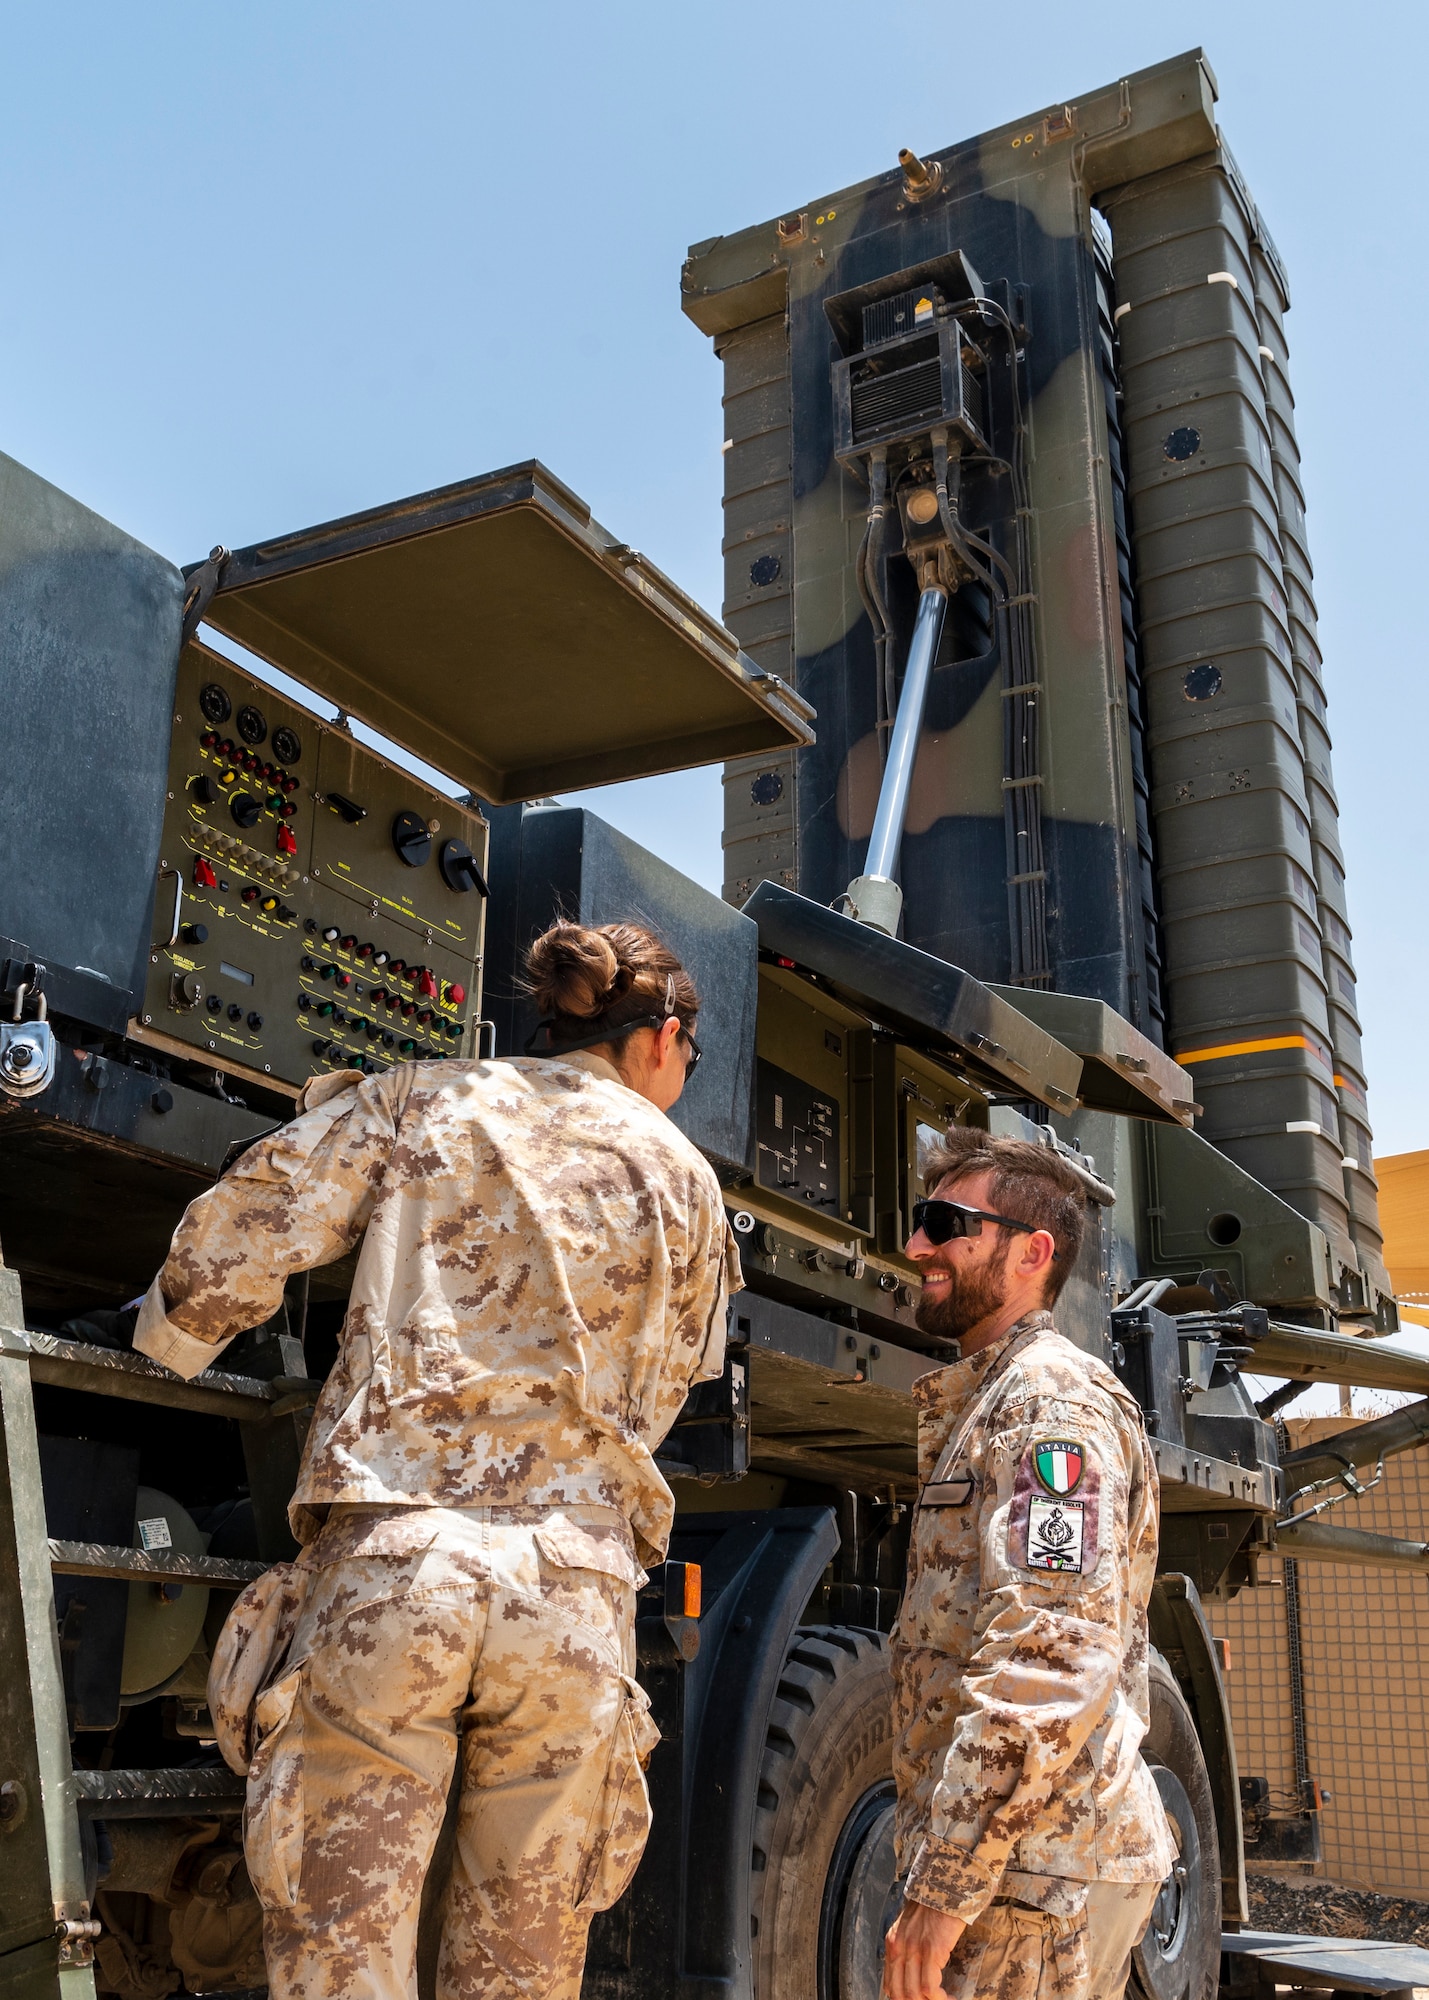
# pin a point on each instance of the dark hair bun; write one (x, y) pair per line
(570, 970)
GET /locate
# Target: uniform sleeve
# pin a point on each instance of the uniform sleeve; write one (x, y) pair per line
(299, 1198)
(1048, 1644)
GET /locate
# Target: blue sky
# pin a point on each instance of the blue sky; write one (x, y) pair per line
(269, 264)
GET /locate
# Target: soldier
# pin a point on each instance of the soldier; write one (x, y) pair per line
(1029, 1832)
(544, 1272)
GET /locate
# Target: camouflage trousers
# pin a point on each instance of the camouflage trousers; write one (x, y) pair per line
(1013, 1952)
(502, 1637)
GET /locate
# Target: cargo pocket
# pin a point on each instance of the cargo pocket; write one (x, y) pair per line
(273, 1814)
(620, 1824)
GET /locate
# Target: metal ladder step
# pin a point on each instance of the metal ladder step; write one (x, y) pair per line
(161, 1565)
(159, 1794)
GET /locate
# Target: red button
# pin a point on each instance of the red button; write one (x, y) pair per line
(287, 840)
(204, 877)
(427, 983)
(456, 994)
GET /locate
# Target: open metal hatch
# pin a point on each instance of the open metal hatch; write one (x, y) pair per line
(1122, 1071)
(497, 631)
(936, 1006)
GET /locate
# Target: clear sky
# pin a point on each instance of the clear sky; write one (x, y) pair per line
(264, 265)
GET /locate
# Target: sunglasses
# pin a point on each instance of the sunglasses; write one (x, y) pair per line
(692, 1061)
(941, 1221)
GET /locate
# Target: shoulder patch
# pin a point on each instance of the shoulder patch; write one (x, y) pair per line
(1056, 1534)
(1058, 1464)
(1054, 1523)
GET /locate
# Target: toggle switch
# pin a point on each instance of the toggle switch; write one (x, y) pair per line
(204, 877)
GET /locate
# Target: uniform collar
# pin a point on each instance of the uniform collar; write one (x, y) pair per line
(948, 1390)
(588, 1060)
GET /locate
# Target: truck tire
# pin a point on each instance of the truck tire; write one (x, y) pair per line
(1179, 1957)
(822, 1861)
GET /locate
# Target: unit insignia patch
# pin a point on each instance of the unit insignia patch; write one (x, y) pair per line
(1055, 1534)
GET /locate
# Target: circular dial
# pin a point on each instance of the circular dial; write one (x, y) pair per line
(287, 747)
(411, 839)
(214, 702)
(252, 724)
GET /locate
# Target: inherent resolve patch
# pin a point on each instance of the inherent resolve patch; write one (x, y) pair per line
(1056, 1533)
(1049, 1530)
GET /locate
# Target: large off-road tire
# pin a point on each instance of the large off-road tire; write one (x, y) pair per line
(820, 1891)
(1179, 1957)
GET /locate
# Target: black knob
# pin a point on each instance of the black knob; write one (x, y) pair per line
(286, 915)
(389, 1040)
(245, 808)
(310, 924)
(194, 933)
(161, 1101)
(459, 869)
(255, 1021)
(353, 813)
(235, 1012)
(411, 839)
(215, 1005)
(306, 963)
(205, 791)
(304, 1002)
(320, 1047)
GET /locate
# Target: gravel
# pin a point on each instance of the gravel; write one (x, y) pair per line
(1307, 1905)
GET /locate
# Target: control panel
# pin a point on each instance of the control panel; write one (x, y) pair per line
(802, 1101)
(316, 907)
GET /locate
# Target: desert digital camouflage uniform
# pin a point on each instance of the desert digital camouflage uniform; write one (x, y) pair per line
(544, 1272)
(1020, 1671)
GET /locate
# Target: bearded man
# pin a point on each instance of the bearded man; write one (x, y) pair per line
(1030, 1834)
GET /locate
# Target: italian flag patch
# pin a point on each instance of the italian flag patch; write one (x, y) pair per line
(1058, 1463)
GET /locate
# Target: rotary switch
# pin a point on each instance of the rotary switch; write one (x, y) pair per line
(245, 809)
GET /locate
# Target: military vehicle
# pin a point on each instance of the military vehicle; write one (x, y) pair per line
(1030, 825)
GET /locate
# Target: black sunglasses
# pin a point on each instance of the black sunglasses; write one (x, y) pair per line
(941, 1221)
(610, 1035)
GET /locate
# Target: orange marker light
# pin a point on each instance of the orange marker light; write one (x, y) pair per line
(692, 1590)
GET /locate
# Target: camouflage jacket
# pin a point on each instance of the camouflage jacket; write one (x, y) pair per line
(545, 1270)
(1019, 1656)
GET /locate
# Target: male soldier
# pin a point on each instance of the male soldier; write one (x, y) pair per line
(1029, 1832)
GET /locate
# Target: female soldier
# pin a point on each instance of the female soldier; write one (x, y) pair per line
(544, 1273)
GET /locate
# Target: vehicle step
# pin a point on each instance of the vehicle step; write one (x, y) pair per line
(1350, 1965)
(163, 1565)
(161, 1794)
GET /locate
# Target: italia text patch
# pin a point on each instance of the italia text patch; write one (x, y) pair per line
(1056, 1532)
(1058, 1464)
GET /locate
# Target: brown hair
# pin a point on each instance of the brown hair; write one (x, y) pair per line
(584, 980)
(1030, 1183)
